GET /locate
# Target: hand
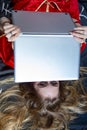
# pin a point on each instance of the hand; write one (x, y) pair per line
(11, 31)
(80, 33)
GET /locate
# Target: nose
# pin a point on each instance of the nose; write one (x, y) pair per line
(50, 99)
(53, 99)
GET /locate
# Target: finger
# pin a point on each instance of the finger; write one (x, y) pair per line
(81, 28)
(8, 35)
(79, 32)
(9, 29)
(12, 38)
(77, 24)
(8, 26)
(79, 39)
(74, 20)
(12, 45)
(76, 34)
(15, 31)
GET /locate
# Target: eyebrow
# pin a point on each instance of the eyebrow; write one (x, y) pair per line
(44, 84)
(54, 82)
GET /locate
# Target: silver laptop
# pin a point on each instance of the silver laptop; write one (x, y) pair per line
(45, 51)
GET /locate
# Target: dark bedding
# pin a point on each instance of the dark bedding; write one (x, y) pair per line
(6, 76)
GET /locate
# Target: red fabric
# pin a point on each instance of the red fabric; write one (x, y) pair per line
(6, 52)
(83, 47)
(70, 6)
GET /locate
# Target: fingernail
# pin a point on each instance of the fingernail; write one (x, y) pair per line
(75, 28)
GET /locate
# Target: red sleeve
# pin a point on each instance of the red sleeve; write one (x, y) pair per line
(72, 8)
(74, 12)
(6, 52)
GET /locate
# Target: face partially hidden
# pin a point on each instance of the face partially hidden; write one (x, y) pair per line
(47, 90)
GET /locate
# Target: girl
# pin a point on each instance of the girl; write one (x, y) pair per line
(31, 107)
(11, 31)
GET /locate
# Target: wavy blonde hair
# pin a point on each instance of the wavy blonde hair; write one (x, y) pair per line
(22, 109)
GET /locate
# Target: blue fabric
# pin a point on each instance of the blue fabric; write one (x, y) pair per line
(83, 16)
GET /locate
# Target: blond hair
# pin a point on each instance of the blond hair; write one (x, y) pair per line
(22, 109)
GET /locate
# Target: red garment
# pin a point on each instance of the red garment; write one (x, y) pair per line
(6, 52)
(70, 6)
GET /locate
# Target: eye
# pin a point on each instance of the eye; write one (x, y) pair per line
(42, 84)
(54, 83)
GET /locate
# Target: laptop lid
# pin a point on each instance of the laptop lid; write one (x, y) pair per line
(38, 23)
(46, 57)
